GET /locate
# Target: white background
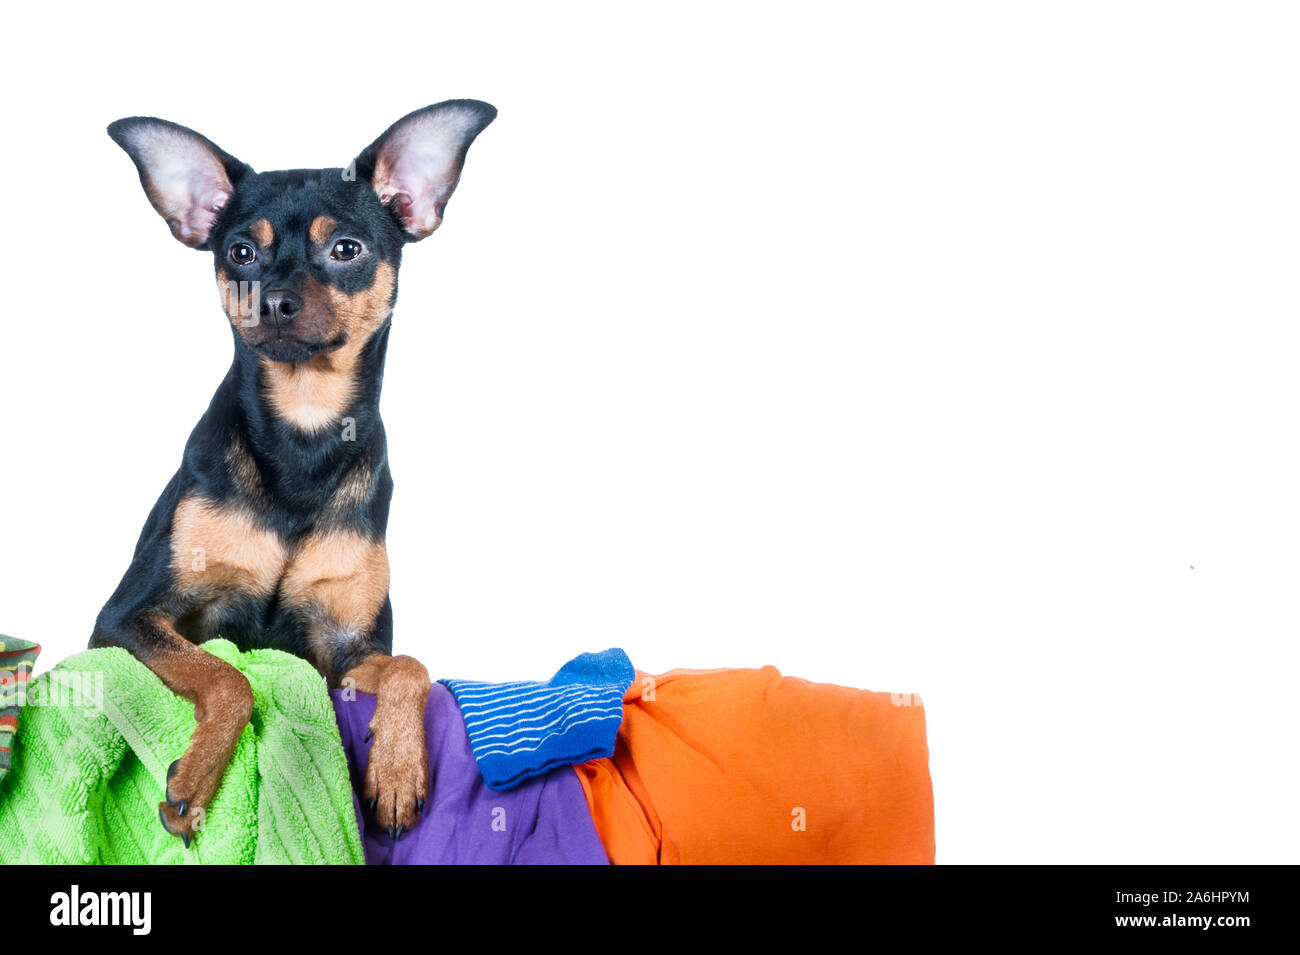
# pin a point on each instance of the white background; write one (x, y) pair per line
(918, 347)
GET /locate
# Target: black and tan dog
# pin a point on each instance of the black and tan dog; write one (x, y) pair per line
(271, 534)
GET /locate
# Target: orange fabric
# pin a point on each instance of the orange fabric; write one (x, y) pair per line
(723, 766)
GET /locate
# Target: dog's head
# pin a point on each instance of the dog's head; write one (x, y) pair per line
(306, 260)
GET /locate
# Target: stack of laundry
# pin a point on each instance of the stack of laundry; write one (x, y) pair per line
(602, 763)
(691, 766)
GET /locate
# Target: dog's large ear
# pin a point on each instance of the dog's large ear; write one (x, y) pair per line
(187, 178)
(415, 165)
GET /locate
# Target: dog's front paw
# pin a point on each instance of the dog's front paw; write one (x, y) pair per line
(194, 779)
(397, 776)
(189, 790)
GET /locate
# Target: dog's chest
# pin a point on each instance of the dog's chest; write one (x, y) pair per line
(332, 578)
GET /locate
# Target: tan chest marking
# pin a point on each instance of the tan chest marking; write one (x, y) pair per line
(339, 576)
(221, 547)
(311, 395)
(336, 579)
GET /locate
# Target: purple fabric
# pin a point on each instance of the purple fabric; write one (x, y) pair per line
(545, 820)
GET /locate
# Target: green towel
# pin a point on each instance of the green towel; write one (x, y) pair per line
(99, 731)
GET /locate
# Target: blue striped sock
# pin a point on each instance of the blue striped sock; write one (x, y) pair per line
(523, 729)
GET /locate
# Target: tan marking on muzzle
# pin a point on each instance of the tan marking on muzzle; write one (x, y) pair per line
(314, 394)
(241, 301)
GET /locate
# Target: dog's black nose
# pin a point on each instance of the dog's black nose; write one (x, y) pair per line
(280, 305)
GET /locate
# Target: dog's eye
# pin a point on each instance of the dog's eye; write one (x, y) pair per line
(345, 250)
(241, 253)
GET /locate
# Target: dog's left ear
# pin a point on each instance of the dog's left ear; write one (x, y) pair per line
(415, 165)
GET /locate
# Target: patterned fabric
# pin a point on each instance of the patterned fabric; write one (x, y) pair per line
(523, 729)
(17, 657)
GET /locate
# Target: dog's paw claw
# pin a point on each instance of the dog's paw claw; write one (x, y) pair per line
(187, 793)
(185, 828)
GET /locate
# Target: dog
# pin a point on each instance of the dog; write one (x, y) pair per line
(271, 533)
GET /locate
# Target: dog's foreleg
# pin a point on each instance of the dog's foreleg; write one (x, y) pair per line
(397, 776)
(223, 703)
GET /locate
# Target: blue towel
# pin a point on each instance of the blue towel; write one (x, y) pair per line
(523, 729)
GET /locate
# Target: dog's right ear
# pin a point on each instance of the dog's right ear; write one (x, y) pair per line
(188, 179)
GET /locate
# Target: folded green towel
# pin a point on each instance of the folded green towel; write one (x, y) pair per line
(99, 731)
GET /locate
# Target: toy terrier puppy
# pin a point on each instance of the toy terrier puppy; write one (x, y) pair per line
(271, 534)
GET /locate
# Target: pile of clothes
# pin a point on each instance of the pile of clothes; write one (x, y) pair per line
(602, 763)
